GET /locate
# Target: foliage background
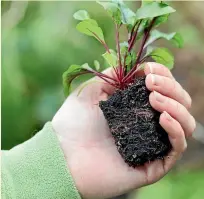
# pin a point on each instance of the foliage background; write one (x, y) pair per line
(39, 42)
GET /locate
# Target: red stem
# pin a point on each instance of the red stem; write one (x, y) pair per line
(102, 42)
(100, 75)
(145, 40)
(103, 75)
(138, 68)
(107, 49)
(112, 84)
(119, 55)
(132, 32)
(129, 75)
(124, 64)
(132, 41)
(143, 59)
(134, 37)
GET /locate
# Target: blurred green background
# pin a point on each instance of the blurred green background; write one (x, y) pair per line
(39, 42)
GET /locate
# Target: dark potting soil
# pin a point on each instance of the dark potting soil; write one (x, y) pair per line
(135, 126)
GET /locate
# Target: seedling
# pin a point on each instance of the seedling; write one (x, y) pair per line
(133, 123)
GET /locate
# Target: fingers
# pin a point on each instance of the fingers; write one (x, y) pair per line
(175, 132)
(159, 69)
(176, 137)
(169, 96)
(168, 87)
(173, 98)
(162, 103)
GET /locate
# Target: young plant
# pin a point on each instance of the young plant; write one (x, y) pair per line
(133, 123)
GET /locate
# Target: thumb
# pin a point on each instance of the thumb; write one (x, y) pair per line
(97, 87)
(106, 87)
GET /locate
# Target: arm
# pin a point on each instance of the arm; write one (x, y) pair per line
(37, 169)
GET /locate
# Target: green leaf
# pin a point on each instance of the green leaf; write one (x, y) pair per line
(178, 40)
(97, 65)
(174, 37)
(127, 15)
(119, 12)
(69, 75)
(153, 9)
(81, 15)
(144, 24)
(149, 50)
(160, 20)
(113, 9)
(123, 48)
(90, 28)
(145, 2)
(162, 56)
(86, 66)
(131, 58)
(111, 58)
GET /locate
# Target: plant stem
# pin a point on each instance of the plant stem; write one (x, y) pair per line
(106, 46)
(132, 31)
(103, 75)
(101, 41)
(148, 56)
(132, 41)
(146, 36)
(140, 62)
(107, 49)
(145, 40)
(134, 73)
(124, 64)
(143, 59)
(116, 72)
(107, 81)
(119, 55)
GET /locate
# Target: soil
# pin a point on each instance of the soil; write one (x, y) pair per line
(135, 126)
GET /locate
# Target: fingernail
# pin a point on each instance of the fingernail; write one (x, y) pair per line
(158, 97)
(194, 123)
(150, 67)
(168, 117)
(153, 79)
(185, 144)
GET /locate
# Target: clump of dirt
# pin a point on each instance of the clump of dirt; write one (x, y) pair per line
(135, 126)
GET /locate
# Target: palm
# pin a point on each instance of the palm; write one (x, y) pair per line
(90, 148)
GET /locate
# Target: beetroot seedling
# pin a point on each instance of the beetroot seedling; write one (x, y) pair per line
(134, 124)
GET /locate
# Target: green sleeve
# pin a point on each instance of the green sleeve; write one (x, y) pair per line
(37, 169)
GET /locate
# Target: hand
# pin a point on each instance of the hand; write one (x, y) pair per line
(94, 162)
